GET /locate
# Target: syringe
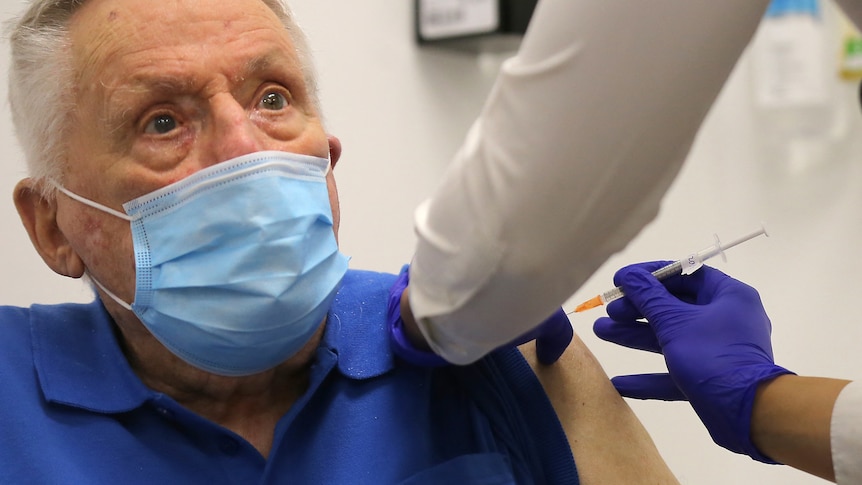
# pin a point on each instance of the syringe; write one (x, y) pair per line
(687, 265)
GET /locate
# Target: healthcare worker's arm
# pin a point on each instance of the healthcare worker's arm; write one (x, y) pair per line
(715, 337)
(819, 398)
(581, 136)
(792, 420)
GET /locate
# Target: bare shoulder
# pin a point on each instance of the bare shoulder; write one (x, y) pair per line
(608, 441)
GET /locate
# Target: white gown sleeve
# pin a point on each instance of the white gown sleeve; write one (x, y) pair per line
(583, 132)
(846, 435)
(846, 426)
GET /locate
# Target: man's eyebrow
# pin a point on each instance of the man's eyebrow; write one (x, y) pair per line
(274, 59)
(139, 90)
(275, 64)
(160, 83)
(259, 63)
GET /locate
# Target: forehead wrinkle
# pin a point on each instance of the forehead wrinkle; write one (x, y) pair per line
(161, 83)
(88, 57)
(164, 83)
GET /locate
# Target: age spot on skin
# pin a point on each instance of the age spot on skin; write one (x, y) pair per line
(113, 15)
(91, 224)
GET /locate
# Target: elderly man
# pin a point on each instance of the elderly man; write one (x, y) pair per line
(178, 160)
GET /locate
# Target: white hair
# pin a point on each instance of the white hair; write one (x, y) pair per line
(42, 84)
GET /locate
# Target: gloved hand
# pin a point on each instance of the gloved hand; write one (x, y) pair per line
(715, 337)
(552, 336)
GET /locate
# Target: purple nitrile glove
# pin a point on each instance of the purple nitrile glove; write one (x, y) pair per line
(552, 336)
(715, 337)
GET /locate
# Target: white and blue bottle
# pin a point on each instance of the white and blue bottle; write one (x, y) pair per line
(794, 81)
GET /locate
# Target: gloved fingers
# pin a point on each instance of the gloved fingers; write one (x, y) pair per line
(633, 335)
(700, 287)
(648, 294)
(555, 335)
(679, 286)
(395, 291)
(552, 336)
(648, 386)
(623, 310)
(697, 288)
(399, 343)
(635, 279)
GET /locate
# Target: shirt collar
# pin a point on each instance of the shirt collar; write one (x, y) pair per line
(78, 359)
(357, 330)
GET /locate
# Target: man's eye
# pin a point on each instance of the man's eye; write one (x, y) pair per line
(161, 124)
(273, 101)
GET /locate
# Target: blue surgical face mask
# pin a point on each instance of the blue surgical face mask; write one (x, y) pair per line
(237, 264)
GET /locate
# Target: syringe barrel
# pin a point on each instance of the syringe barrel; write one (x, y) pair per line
(665, 272)
(611, 295)
(662, 273)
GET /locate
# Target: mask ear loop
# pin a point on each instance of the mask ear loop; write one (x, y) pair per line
(112, 295)
(89, 202)
(103, 208)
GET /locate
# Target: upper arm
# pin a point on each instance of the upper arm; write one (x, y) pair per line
(609, 443)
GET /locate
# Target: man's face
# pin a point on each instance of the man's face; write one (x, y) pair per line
(162, 90)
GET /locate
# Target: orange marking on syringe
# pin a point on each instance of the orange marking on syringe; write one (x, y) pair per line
(591, 303)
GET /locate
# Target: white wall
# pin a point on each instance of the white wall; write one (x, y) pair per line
(401, 112)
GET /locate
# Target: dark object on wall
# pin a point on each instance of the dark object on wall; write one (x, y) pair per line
(472, 25)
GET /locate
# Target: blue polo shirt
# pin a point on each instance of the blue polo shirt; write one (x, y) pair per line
(72, 411)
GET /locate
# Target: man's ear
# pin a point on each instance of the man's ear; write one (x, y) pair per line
(334, 149)
(39, 216)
